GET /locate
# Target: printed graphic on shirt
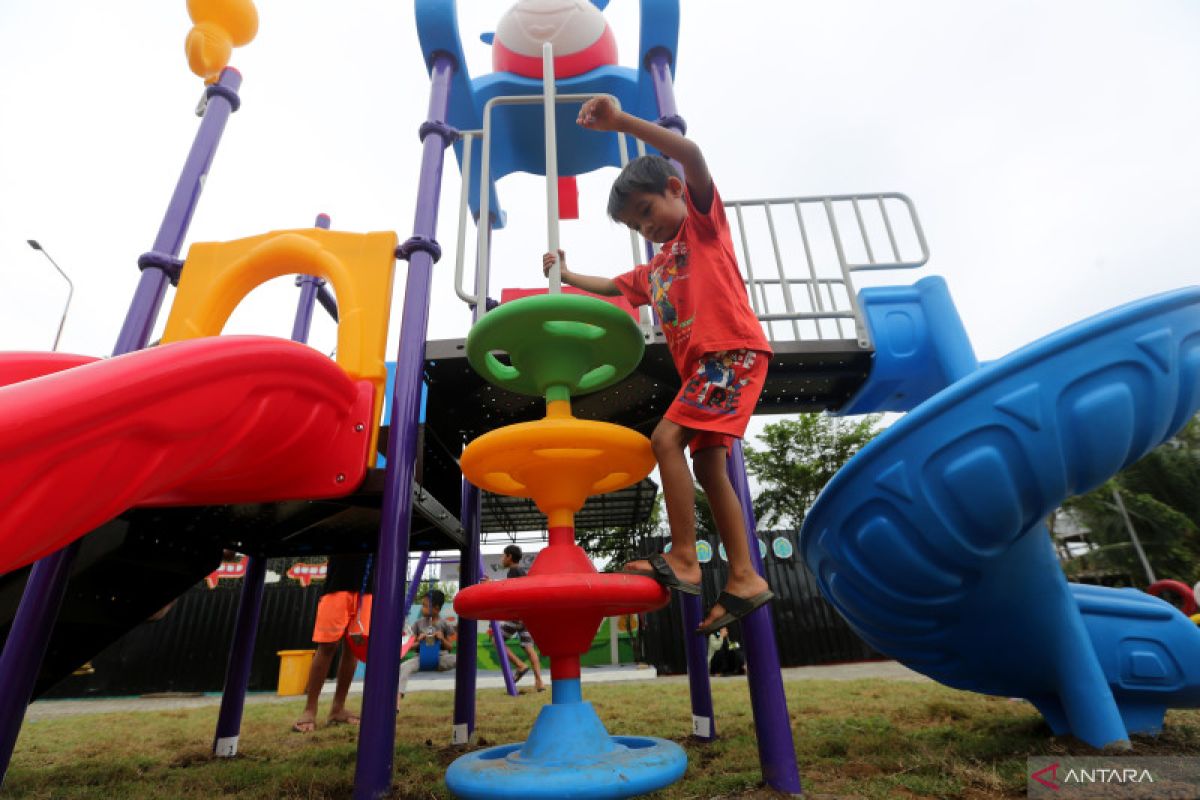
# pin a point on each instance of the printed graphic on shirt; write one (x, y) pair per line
(717, 383)
(671, 266)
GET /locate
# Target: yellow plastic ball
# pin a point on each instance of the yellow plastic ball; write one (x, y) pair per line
(208, 49)
(238, 17)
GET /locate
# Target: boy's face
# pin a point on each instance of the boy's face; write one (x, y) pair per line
(426, 608)
(657, 217)
(506, 560)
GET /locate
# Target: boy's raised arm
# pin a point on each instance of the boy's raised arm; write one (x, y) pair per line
(601, 114)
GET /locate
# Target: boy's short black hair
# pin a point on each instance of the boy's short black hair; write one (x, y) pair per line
(437, 598)
(647, 174)
(513, 552)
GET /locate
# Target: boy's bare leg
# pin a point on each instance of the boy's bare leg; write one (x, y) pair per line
(316, 679)
(744, 581)
(536, 663)
(669, 441)
(345, 675)
(514, 659)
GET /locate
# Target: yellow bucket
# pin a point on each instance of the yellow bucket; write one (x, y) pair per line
(293, 671)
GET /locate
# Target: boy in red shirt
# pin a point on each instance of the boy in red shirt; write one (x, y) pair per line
(714, 338)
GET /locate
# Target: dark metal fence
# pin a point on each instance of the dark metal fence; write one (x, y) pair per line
(807, 628)
(188, 649)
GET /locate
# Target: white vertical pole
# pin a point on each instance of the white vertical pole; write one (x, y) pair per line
(549, 107)
(463, 210)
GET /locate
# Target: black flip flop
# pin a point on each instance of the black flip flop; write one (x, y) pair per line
(521, 673)
(735, 608)
(666, 576)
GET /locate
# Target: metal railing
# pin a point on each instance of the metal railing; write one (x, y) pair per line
(814, 249)
(483, 225)
(811, 295)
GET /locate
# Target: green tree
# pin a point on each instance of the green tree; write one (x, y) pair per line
(1161, 492)
(799, 457)
(427, 586)
(619, 544)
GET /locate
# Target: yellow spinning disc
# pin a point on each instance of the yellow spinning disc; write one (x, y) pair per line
(558, 461)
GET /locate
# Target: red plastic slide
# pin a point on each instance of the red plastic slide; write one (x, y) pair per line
(222, 420)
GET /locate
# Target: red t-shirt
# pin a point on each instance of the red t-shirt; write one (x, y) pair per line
(697, 290)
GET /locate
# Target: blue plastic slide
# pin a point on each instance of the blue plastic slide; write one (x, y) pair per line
(931, 541)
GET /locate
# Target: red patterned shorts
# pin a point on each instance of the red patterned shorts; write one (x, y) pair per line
(718, 398)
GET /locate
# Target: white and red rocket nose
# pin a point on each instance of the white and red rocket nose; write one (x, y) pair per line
(577, 30)
(569, 25)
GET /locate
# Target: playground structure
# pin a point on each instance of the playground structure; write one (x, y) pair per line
(954, 492)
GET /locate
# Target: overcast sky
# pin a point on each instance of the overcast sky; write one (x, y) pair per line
(1052, 147)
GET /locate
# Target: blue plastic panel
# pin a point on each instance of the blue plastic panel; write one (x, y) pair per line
(921, 346)
(518, 144)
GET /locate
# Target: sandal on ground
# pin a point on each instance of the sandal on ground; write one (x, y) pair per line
(665, 576)
(304, 726)
(735, 608)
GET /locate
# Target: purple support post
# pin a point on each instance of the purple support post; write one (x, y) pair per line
(704, 725)
(237, 671)
(309, 285)
(33, 624)
(415, 583)
(27, 641)
(377, 734)
(468, 629)
(241, 652)
(498, 638)
(148, 297)
(776, 748)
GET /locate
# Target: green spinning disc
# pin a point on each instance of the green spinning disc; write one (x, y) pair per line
(581, 343)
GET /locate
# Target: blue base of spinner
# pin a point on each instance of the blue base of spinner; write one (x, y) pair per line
(569, 754)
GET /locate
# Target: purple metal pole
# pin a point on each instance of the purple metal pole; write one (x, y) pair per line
(659, 65)
(241, 652)
(415, 583)
(377, 734)
(776, 748)
(27, 641)
(498, 638)
(237, 671)
(33, 624)
(152, 286)
(309, 284)
(704, 725)
(468, 629)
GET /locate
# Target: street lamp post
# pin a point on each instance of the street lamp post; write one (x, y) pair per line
(70, 288)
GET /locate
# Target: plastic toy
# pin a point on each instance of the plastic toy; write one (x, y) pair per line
(579, 33)
(1177, 588)
(220, 26)
(561, 345)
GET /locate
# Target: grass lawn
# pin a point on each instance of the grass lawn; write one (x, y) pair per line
(868, 739)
